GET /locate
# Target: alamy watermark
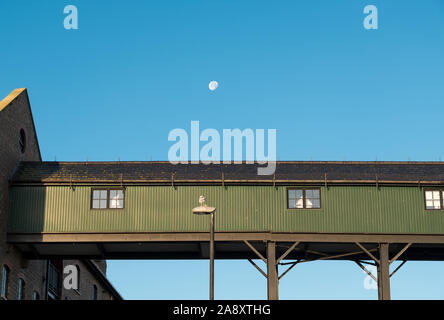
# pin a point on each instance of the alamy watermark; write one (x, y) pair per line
(371, 20)
(71, 21)
(187, 148)
(369, 282)
(71, 279)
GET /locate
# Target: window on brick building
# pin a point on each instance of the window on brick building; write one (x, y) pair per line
(5, 282)
(21, 289)
(78, 278)
(35, 296)
(54, 279)
(22, 141)
(94, 292)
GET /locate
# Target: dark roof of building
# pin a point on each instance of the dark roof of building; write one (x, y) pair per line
(102, 278)
(9, 100)
(286, 172)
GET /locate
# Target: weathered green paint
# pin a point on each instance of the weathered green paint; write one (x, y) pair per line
(345, 209)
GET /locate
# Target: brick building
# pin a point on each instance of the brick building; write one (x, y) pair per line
(35, 279)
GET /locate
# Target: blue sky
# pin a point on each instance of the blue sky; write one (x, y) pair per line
(134, 70)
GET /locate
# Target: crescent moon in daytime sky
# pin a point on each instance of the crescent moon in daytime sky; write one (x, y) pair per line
(213, 85)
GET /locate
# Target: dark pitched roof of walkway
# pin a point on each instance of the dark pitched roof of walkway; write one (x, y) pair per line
(286, 171)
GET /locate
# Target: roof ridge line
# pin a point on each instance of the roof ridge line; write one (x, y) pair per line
(10, 98)
(224, 164)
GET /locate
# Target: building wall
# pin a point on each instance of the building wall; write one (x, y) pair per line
(101, 264)
(345, 209)
(87, 282)
(15, 115)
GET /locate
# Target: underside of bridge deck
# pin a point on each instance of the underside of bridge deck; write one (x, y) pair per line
(277, 251)
(194, 245)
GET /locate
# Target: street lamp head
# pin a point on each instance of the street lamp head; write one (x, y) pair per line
(203, 208)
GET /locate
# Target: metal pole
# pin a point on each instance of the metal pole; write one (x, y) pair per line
(212, 256)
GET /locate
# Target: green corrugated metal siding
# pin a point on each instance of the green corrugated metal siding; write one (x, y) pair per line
(345, 209)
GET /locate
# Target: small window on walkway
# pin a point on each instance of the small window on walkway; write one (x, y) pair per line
(434, 199)
(303, 198)
(107, 199)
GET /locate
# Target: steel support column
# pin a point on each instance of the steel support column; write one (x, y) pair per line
(272, 272)
(378, 278)
(384, 272)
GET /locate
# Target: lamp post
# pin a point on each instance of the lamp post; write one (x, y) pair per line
(204, 210)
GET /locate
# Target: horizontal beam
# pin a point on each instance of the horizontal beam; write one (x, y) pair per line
(337, 256)
(223, 236)
(179, 256)
(317, 253)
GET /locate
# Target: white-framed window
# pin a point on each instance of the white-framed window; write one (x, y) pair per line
(434, 199)
(109, 198)
(99, 199)
(303, 198)
(116, 199)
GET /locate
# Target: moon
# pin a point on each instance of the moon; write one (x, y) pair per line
(213, 85)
